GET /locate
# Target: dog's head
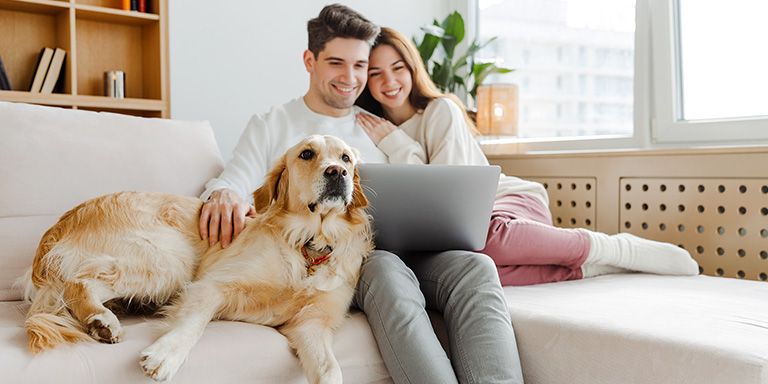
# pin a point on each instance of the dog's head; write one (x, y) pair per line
(319, 174)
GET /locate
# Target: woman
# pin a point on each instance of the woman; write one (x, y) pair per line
(416, 123)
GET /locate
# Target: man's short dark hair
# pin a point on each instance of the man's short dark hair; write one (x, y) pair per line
(337, 20)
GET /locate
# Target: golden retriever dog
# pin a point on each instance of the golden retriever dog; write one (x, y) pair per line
(294, 267)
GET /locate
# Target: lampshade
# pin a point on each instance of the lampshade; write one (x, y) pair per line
(497, 106)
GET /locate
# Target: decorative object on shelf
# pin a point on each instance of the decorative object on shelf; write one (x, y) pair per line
(497, 108)
(463, 73)
(114, 84)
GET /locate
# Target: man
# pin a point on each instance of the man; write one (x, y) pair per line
(462, 285)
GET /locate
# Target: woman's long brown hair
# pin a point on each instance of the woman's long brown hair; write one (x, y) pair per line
(423, 90)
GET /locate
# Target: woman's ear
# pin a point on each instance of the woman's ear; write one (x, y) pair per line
(275, 187)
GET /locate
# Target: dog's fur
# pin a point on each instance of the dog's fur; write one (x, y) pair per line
(144, 248)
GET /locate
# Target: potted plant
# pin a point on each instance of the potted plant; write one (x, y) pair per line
(455, 72)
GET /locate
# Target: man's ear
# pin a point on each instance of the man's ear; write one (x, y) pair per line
(275, 187)
(309, 60)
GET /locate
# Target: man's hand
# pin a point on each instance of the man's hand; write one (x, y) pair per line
(376, 127)
(223, 216)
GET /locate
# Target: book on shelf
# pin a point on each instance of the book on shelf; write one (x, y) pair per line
(43, 61)
(5, 84)
(135, 5)
(54, 71)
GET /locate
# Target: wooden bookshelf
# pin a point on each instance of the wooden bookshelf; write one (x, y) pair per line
(98, 36)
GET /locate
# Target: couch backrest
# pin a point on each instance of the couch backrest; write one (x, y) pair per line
(52, 159)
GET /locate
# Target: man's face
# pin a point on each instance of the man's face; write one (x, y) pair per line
(338, 74)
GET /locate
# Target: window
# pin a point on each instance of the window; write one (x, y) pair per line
(621, 73)
(710, 60)
(574, 62)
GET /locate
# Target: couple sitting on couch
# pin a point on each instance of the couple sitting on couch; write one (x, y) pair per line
(410, 121)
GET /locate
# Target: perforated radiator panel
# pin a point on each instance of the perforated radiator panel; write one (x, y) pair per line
(723, 222)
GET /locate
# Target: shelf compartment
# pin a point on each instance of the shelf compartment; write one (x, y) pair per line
(113, 15)
(133, 49)
(118, 5)
(24, 31)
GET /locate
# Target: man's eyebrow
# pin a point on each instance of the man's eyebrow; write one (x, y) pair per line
(334, 58)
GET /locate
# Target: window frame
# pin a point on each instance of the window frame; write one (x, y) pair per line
(666, 121)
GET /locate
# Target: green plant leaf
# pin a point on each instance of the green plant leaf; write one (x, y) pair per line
(427, 47)
(453, 25)
(481, 71)
(471, 51)
(443, 75)
(466, 58)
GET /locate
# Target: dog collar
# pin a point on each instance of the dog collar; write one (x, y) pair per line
(314, 257)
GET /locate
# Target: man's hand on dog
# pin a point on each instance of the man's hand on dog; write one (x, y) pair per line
(223, 217)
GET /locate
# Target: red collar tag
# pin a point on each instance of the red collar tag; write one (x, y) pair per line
(314, 258)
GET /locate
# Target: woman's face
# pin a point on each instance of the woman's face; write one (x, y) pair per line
(389, 79)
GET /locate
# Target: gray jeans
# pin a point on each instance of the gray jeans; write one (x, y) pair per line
(464, 287)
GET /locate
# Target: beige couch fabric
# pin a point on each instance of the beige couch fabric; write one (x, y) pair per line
(228, 352)
(54, 158)
(639, 328)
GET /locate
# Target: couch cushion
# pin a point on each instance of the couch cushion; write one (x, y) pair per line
(228, 352)
(55, 158)
(638, 328)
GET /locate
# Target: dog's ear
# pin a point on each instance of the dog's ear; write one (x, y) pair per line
(358, 197)
(275, 187)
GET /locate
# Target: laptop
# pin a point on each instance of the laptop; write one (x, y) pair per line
(418, 208)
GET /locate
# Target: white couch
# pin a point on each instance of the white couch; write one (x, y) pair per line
(613, 329)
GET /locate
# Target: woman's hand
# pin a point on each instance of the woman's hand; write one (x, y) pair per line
(376, 127)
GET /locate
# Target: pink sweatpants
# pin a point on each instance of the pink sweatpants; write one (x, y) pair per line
(527, 248)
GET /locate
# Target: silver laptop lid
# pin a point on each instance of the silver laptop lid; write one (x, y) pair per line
(429, 207)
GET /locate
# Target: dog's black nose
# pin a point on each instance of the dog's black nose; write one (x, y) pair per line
(335, 172)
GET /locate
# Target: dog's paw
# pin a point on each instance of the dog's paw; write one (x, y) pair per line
(330, 373)
(332, 376)
(104, 327)
(162, 360)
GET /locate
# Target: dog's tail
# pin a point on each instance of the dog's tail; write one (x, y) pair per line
(49, 322)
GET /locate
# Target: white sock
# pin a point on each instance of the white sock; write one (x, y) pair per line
(630, 252)
(594, 270)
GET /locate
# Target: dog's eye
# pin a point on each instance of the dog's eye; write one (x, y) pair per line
(306, 154)
(345, 158)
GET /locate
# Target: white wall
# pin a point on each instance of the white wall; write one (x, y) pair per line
(232, 59)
